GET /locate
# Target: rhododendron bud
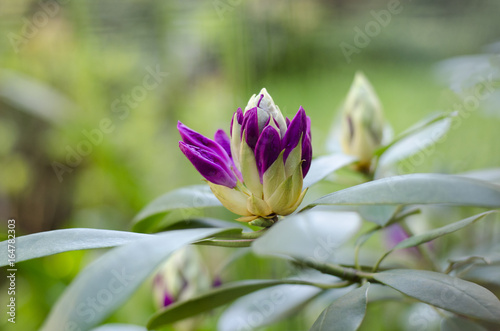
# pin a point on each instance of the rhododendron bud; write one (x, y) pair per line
(362, 123)
(257, 171)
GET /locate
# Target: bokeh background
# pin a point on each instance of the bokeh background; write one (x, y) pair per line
(71, 70)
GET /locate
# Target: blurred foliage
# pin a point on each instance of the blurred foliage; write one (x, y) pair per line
(66, 68)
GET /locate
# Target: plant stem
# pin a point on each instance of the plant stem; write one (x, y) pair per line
(349, 274)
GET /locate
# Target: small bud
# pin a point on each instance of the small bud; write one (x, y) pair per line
(182, 277)
(362, 121)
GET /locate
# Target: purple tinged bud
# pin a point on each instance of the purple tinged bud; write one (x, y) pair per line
(295, 130)
(210, 165)
(222, 139)
(395, 234)
(268, 149)
(167, 300)
(217, 282)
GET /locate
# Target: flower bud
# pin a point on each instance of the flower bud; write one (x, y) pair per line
(362, 121)
(258, 171)
(181, 277)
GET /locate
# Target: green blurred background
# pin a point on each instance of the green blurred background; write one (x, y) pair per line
(69, 68)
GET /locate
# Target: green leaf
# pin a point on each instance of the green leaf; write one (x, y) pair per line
(186, 202)
(324, 165)
(215, 298)
(380, 214)
(119, 327)
(455, 323)
(417, 189)
(108, 282)
(484, 274)
(52, 242)
(419, 141)
(275, 304)
(443, 291)
(491, 175)
(439, 232)
(313, 234)
(414, 130)
(346, 313)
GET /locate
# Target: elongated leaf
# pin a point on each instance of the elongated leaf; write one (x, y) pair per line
(491, 175)
(455, 323)
(346, 313)
(484, 274)
(52, 242)
(120, 327)
(210, 300)
(270, 305)
(417, 189)
(106, 283)
(187, 201)
(443, 291)
(380, 214)
(421, 141)
(324, 165)
(309, 235)
(439, 232)
(415, 129)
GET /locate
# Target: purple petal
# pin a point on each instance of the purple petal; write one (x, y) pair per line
(294, 131)
(395, 234)
(287, 121)
(210, 165)
(167, 300)
(191, 137)
(306, 154)
(222, 139)
(261, 97)
(239, 116)
(251, 127)
(268, 149)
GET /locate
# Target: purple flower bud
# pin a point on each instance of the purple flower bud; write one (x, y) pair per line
(167, 300)
(253, 160)
(217, 282)
(268, 149)
(213, 167)
(395, 234)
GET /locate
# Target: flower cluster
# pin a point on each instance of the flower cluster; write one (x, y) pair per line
(257, 171)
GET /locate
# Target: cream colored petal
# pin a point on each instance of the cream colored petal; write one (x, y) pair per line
(249, 170)
(258, 206)
(296, 205)
(273, 177)
(232, 199)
